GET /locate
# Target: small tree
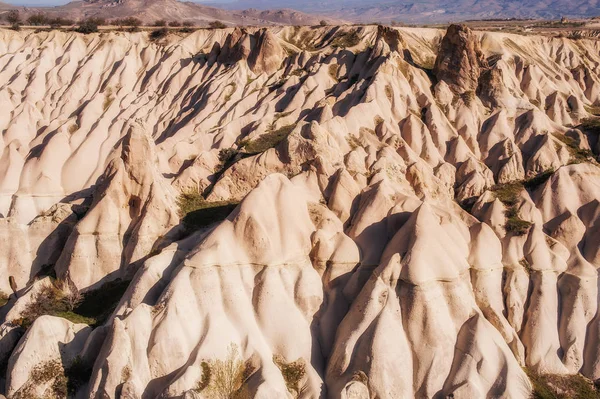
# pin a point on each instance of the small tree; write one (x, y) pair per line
(13, 17)
(130, 21)
(58, 22)
(323, 23)
(188, 24)
(217, 25)
(174, 24)
(159, 33)
(160, 22)
(37, 19)
(87, 26)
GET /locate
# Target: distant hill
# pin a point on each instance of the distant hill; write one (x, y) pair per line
(170, 10)
(430, 10)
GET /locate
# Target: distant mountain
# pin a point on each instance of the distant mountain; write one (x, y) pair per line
(430, 10)
(170, 10)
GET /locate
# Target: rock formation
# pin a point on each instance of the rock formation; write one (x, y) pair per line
(315, 207)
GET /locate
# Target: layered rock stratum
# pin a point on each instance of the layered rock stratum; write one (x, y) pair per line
(418, 211)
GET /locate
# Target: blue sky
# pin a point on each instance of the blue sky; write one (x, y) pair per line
(33, 3)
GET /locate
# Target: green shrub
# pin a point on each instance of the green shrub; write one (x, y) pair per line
(268, 140)
(92, 308)
(49, 300)
(508, 193)
(198, 213)
(517, 226)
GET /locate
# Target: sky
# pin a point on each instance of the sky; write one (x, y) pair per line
(36, 3)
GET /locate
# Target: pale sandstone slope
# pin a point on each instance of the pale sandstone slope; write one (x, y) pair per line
(351, 150)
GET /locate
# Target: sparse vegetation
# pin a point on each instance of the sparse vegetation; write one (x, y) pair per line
(553, 386)
(526, 266)
(160, 22)
(197, 212)
(64, 382)
(87, 26)
(226, 379)
(217, 25)
(37, 19)
(230, 93)
(56, 23)
(3, 298)
(345, 40)
(130, 22)
(108, 99)
(77, 374)
(468, 97)
(13, 17)
(594, 110)
(353, 142)
(158, 34)
(174, 24)
(50, 300)
(536, 181)
(226, 155)
(591, 125)
(268, 140)
(92, 308)
(206, 376)
(389, 92)
(577, 154)
(41, 374)
(293, 373)
(333, 71)
(514, 224)
(508, 194)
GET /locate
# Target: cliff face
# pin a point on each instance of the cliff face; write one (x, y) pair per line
(419, 211)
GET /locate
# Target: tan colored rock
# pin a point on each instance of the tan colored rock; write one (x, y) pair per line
(459, 60)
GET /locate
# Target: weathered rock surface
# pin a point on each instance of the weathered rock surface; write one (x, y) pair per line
(397, 236)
